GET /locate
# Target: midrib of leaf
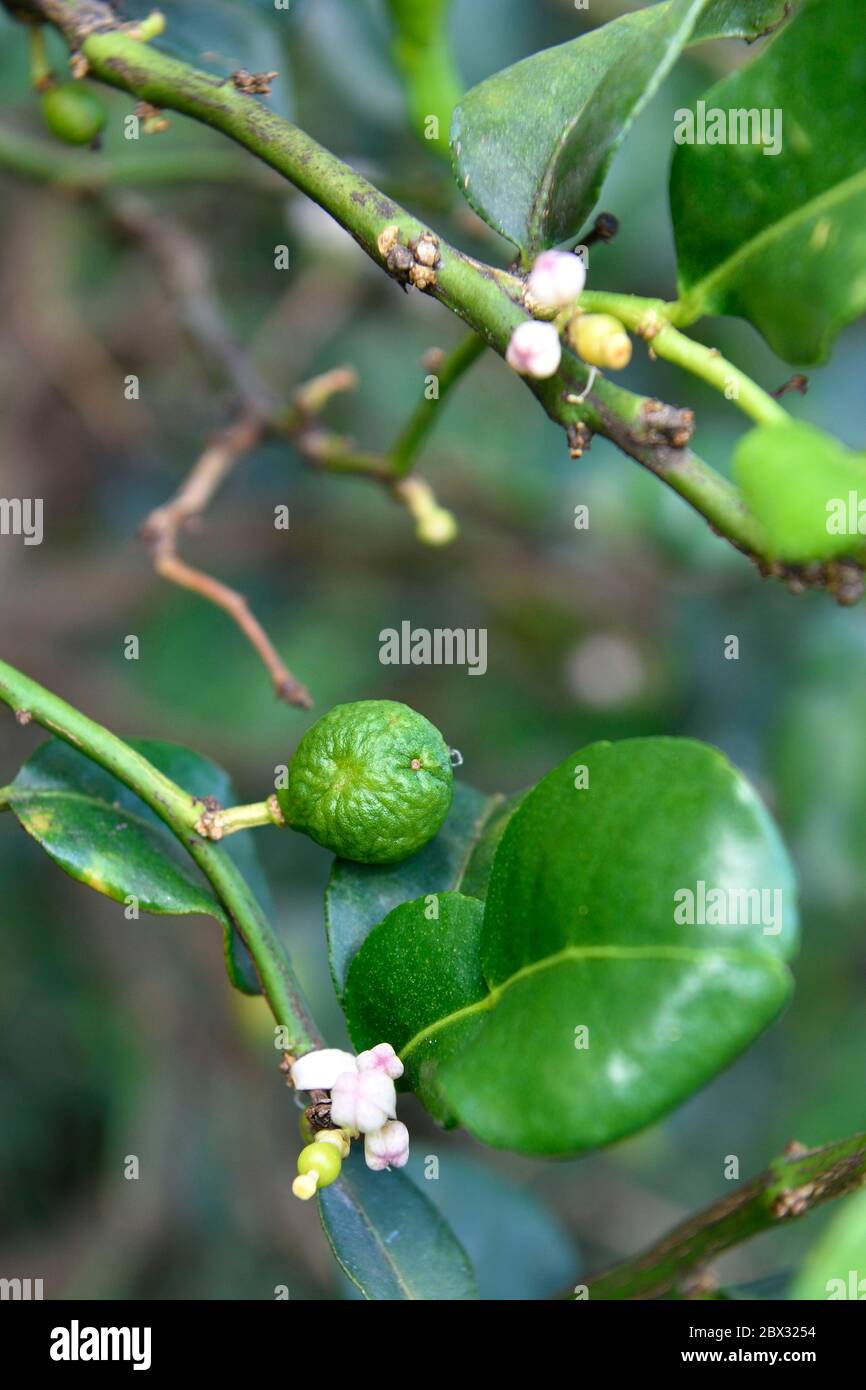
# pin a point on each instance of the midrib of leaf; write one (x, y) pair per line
(388, 1257)
(675, 43)
(692, 305)
(60, 794)
(658, 953)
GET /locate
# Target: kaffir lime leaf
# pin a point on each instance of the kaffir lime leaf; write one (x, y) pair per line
(371, 781)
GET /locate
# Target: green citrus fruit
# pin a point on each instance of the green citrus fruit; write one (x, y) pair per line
(371, 781)
(73, 113)
(322, 1159)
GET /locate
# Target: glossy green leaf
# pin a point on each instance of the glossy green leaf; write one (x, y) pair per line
(581, 931)
(780, 239)
(835, 1267)
(390, 1240)
(458, 857)
(102, 834)
(532, 144)
(806, 489)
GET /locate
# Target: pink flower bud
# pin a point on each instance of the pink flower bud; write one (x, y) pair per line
(382, 1056)
(387, 1147)
(535, 349)
(557, 279)
(361, 1101)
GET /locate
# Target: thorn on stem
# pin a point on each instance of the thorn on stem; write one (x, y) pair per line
(604, 228)
(797, 382)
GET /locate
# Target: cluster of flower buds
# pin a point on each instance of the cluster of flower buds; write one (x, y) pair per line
(552, 288)
(362, 1100)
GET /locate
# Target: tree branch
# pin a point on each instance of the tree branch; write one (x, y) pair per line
(182, 814)
(487, 299)
(791, 1187)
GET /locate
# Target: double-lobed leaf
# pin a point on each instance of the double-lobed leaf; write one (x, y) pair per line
(780, 239)
(460, 857)
(102, 834)
(533, 143)
(577, 1005)
(390, 1240)
(806, 489)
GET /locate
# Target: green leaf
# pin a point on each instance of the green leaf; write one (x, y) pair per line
(835, 1268)
(781, 239)
(805, 487)
(532, 144)
(460, 856)
(579, 932)
(390, 1240)
(528, 1256)
(102, 834)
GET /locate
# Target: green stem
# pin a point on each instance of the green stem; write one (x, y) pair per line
(235, 818)
(40, 68)
(279, 983)
(790, 1188)
(181, 813)
(422, 54)
(649, 319)
(424, 417)
(31, 157)
(30, 700)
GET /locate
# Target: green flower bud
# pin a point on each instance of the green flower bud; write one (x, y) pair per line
(600, 340)
(73, 112)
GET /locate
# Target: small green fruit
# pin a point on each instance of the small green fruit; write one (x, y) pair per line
(73, 112)
(322, 1159)
(371, 781)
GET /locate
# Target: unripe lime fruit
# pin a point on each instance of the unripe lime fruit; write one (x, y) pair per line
(371, 781)
(322, 1159)
(600, 340)
(73, 112)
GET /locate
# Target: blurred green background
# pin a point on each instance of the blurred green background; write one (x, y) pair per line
(122, 1038)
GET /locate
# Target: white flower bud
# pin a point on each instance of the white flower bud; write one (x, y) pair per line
(305, 1185)
(388, 1147)
(535, 349)
(361, 1101)
(383, 1057)
(317, 1071)
(557, 279)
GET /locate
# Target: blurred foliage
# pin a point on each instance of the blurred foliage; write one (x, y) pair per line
(120, 1038)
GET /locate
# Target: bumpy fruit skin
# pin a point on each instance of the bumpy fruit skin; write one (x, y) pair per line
(371, 781)
(73, 113)
(322, 1159)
